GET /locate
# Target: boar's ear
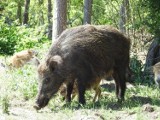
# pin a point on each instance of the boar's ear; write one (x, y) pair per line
(54, 61)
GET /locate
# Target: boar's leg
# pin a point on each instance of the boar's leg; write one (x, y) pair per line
(97, 93)
(81, 92)
(120, 81)
(69, 91)
(115, 76)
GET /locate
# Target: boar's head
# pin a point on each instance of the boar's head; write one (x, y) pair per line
(50, 79)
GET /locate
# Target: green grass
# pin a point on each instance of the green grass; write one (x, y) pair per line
(21, 84)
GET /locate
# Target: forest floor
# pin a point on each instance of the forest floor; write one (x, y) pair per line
(18, 88)
(146, 109)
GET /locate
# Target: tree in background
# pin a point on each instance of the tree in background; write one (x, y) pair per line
(103, 12)
(26, 12)
(50, 19)
(153, 16)
(59, 18)
(40, 12)
(19, 10)
(87, 11)
(124, 15)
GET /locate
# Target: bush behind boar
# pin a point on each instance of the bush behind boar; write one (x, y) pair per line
(84, 53)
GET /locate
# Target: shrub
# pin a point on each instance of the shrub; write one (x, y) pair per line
(137, 67)
(16, 38)
(31, 37)
(9, 38)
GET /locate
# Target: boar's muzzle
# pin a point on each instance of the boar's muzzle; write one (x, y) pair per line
(41, 102)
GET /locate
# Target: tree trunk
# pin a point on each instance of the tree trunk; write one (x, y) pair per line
(19, 12)
(122, 20)
(59, 18)
(49, 19)
(87, 11)
(40, 11)
(127, 6)
(26, 12)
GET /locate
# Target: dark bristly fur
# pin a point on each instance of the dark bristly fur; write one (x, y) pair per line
(85, 54)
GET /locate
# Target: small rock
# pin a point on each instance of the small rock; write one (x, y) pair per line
(148, 108)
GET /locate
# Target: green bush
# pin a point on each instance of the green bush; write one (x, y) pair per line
(31, 37)
(137, 67)
(16, 38)
(8, 38)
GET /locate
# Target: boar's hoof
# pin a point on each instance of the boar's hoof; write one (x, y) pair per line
(36, 107)
(120, 100)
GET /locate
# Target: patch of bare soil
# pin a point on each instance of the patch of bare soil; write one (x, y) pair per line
(17, 113)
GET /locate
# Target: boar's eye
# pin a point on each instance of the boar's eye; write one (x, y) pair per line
(46, 80)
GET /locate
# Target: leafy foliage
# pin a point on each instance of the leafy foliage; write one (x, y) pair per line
(16, 38)
(136, 66)
(31, 37)
(75, 12)
(142, 17)
(9, 38)
(153, 15)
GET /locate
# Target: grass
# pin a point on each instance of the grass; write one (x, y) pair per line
(18, 88)
(21, 85)
(5, 104)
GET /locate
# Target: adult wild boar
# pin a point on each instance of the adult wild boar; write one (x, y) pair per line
(84, 54)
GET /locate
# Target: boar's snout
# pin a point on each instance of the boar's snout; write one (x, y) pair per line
(36, 107)
(41, 102)
(157, 81)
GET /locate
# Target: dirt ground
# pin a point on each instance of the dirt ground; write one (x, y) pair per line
(26, 112)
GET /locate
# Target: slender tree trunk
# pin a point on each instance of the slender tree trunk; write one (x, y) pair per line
(49, 19)
(87, 11)
(122, 20)
(19, 12)
(59, 18)
(40, 11)
(26, 12)
(127, 5)
(124, 16)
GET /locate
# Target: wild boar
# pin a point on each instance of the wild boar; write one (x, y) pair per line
(19, 59)
(84, 54)
(96, 87)
(156, 71)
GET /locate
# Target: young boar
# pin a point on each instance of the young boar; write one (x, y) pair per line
(19, 59)
(95, 86)
(84, 53)
(156, 71)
